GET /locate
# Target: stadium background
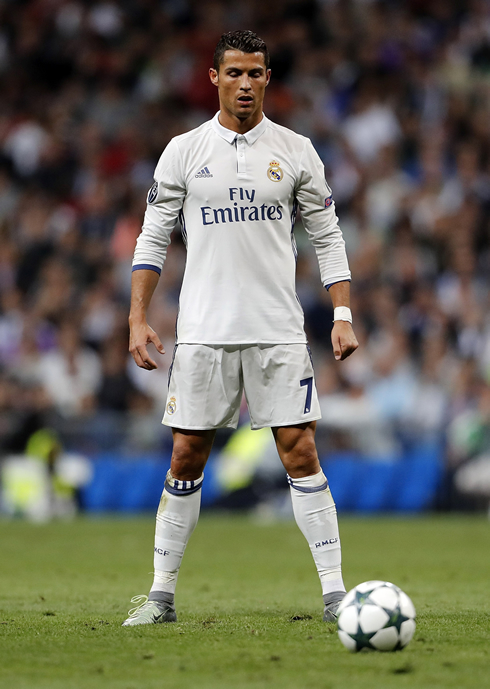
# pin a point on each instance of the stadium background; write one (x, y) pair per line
(396, 99)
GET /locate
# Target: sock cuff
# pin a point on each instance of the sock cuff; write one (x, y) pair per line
(335, 596)
(177, 487)
(162, 597)
(309, 484)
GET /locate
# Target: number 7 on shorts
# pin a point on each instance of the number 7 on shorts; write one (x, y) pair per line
(309, 388)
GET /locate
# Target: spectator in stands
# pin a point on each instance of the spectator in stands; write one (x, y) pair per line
(70, 373)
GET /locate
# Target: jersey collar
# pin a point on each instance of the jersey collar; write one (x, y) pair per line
(230, 136)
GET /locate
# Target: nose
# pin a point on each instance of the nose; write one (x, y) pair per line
(245, 83)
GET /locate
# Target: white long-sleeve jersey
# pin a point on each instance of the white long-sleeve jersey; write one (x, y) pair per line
(236, 196)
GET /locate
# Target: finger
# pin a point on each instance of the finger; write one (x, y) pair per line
(147, 361)
(137, 359)
(337, 348)
(345, 353)
(157, 342)
(348, 349)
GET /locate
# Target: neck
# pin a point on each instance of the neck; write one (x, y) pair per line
(238, 125)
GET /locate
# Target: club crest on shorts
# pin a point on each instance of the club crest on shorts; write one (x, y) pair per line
(172, 406)
(274, 173)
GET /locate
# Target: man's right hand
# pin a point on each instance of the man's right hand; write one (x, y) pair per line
(140, 335)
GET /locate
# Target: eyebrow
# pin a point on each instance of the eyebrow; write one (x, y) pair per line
(239, 69)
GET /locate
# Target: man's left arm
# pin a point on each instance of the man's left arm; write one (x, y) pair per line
(321, 223)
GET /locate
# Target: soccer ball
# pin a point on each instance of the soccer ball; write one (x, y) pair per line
(376, 615)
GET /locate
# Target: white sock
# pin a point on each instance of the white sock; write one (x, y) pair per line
(177, 517)
(316, 516)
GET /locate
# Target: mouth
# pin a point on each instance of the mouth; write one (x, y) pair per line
(245, 100)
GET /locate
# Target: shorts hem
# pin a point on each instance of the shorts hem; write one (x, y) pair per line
(199, 428)
(240, 343)
(280, 424)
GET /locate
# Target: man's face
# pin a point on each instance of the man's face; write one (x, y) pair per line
(241, 83)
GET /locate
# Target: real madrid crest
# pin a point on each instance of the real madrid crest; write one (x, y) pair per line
(274, 173)
(172, 406)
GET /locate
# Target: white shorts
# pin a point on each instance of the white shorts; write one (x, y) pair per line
(206, 383)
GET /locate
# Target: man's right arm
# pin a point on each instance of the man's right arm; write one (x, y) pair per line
(165, 200)
(143, 283)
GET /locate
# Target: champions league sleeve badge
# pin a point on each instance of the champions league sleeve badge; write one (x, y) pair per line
(153, 193)
(328, 202)
(274, 173)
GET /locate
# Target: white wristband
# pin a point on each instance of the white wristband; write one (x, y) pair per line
(342, 313)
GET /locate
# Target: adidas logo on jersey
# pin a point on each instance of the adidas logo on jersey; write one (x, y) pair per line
(203, 173)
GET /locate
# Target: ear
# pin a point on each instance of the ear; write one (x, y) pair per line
(268, 74)
(213, 75)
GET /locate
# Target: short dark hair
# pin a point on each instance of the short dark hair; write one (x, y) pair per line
(246, 41)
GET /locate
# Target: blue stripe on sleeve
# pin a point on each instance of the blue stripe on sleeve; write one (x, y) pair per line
(147, 266)
(327, 287)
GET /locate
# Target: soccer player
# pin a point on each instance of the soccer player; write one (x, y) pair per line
(235, 183)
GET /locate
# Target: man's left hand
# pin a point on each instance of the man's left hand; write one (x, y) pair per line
(344, 341)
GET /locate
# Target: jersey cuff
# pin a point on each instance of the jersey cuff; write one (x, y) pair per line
(327, 287)
(147, 266)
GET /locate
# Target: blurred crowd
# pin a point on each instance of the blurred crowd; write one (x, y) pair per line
(395, 96)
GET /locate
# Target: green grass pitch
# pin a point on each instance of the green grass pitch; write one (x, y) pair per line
(248, 602)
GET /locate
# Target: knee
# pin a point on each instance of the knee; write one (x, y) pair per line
(300, 458)
(189, 458)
